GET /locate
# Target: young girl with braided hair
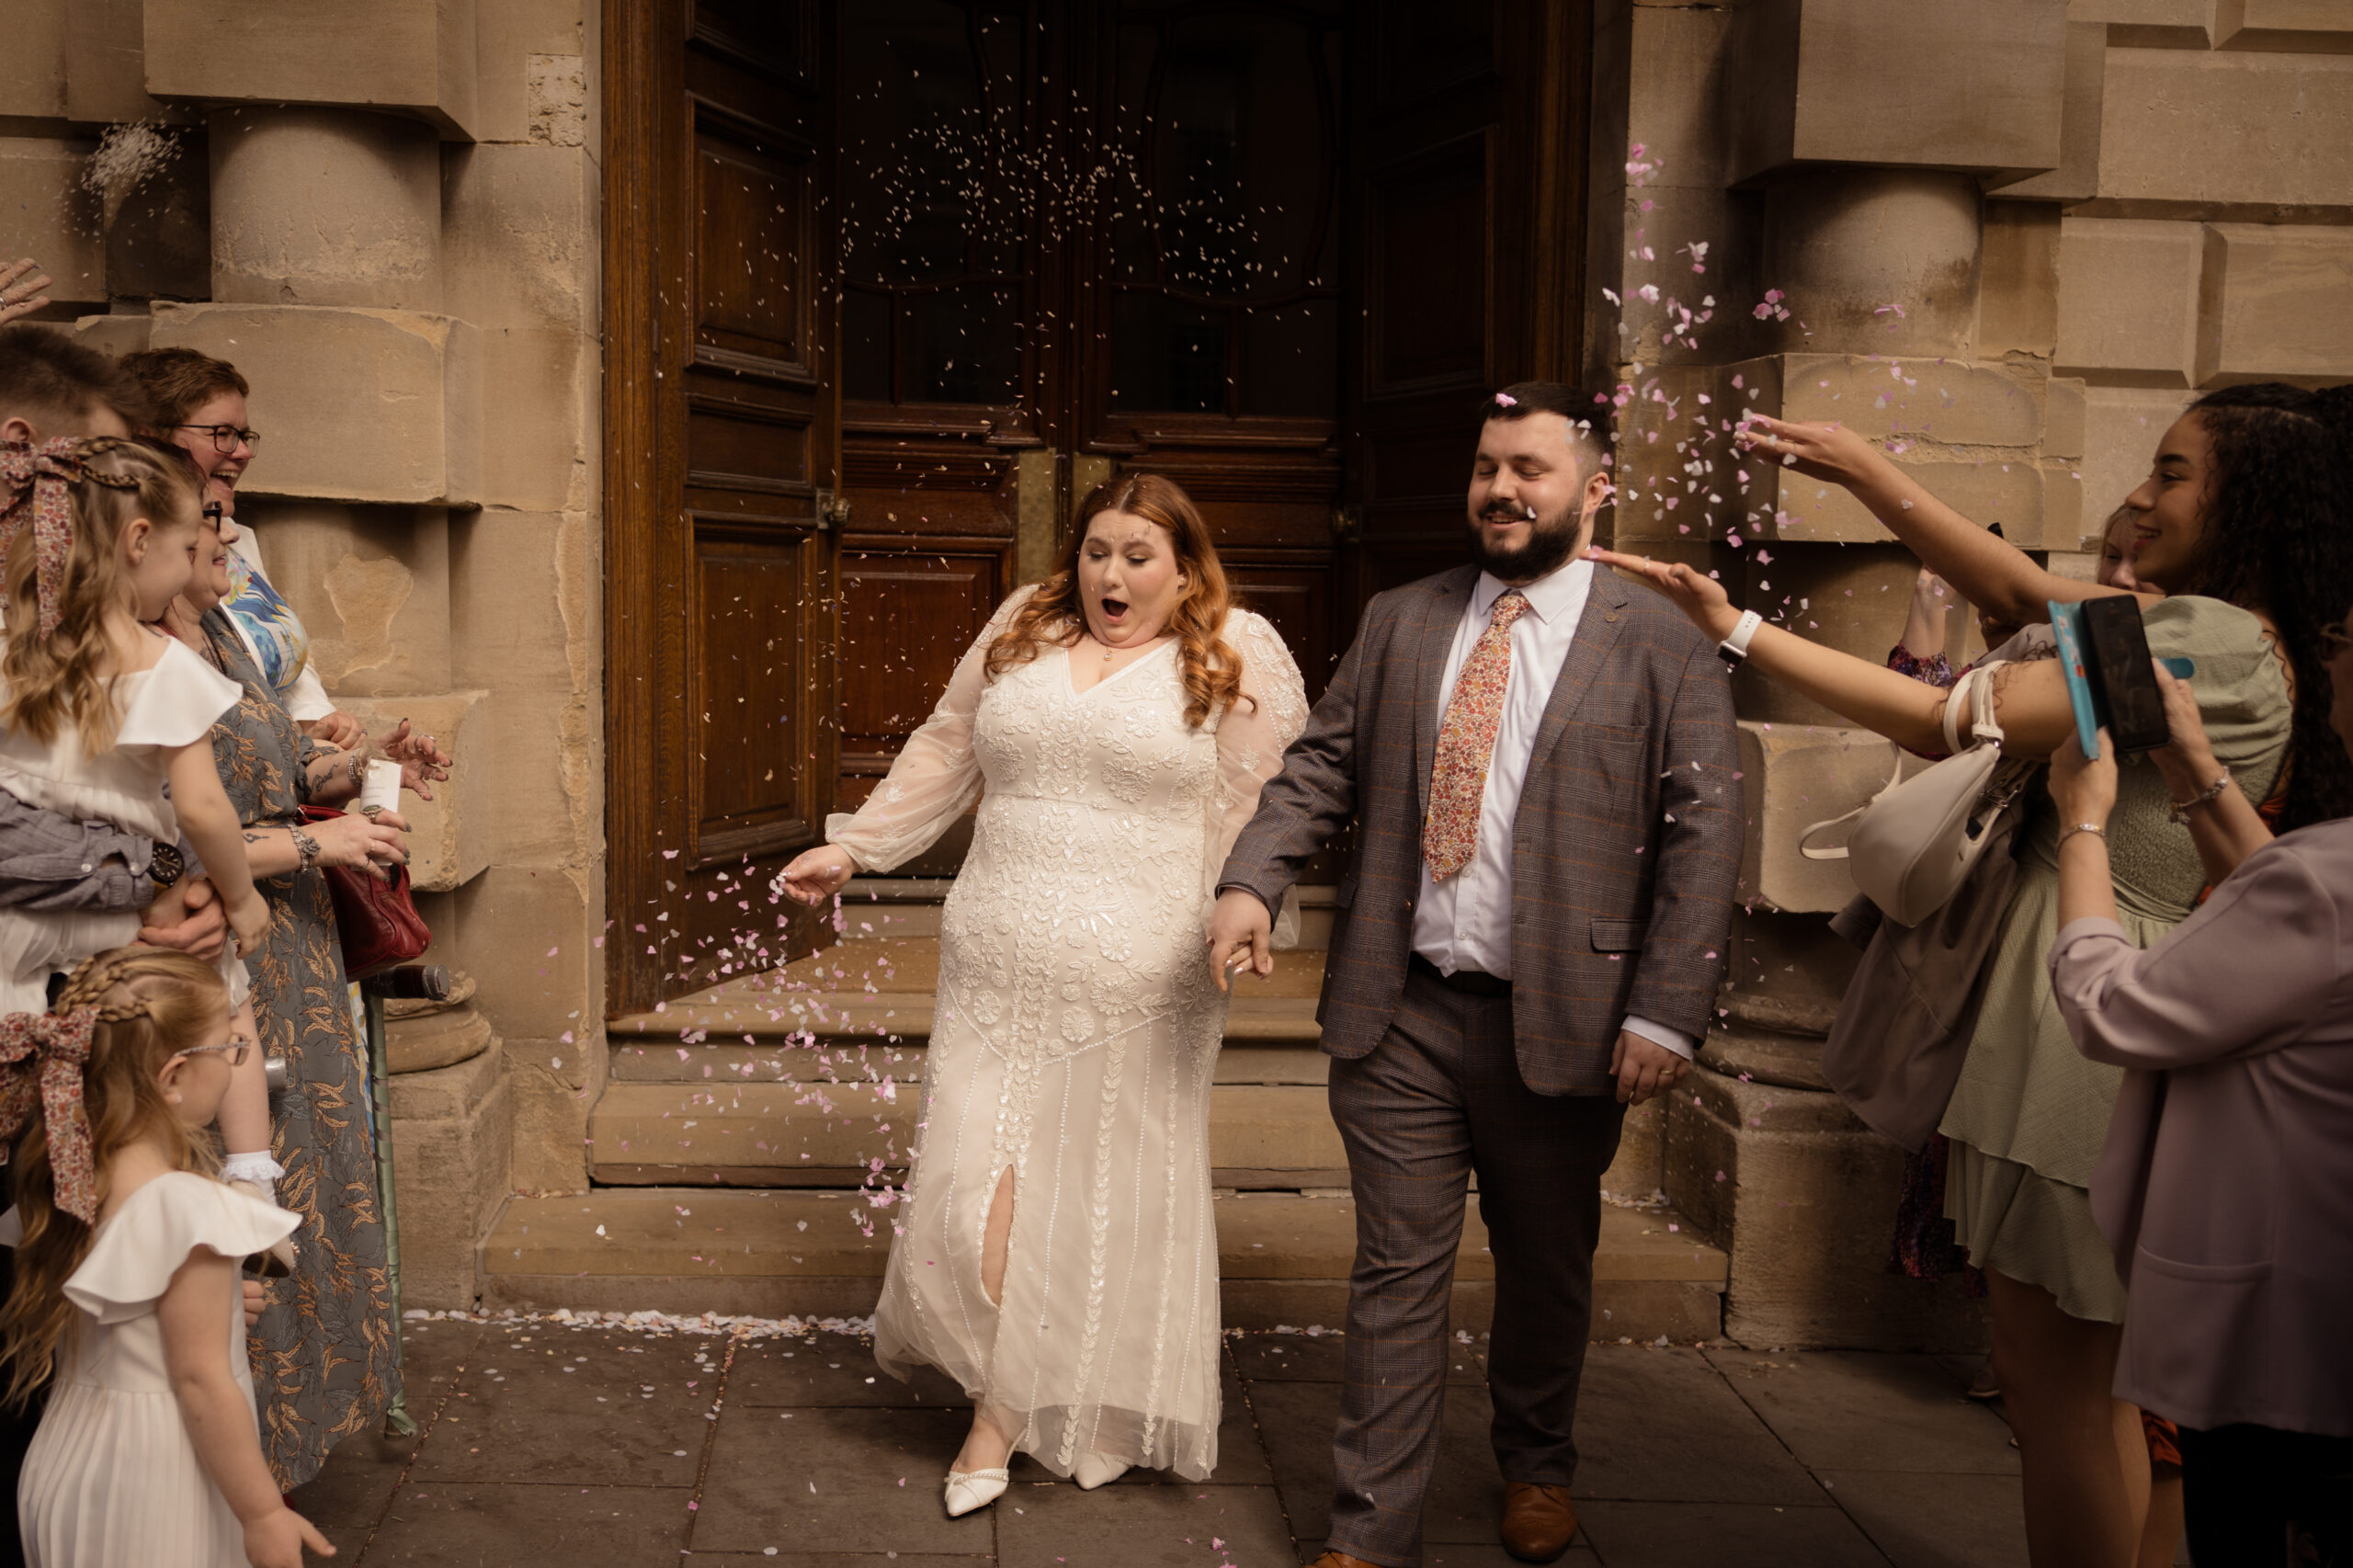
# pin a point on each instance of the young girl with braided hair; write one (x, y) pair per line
(126, 1278)
(101, 710)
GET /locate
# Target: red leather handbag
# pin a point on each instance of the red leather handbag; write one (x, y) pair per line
(376, 921)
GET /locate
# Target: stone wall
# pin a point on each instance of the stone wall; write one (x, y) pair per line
(386, 215)
(2015, 240)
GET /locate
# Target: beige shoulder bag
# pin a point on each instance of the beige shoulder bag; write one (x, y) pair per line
(1914, 841)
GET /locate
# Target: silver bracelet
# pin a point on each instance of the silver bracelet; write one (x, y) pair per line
(306, 847)
(2178, 811)
(2095, 829)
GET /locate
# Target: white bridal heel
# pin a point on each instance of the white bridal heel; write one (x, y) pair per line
(971, 1489)
(1094, 1470)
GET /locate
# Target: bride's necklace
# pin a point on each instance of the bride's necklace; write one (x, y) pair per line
(1109, 651)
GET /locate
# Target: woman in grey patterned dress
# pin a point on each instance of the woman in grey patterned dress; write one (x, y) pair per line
(323, 1356)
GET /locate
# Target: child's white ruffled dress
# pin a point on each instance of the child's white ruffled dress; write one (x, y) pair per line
(111, 1479)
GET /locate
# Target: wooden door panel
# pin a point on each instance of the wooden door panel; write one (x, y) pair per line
(1426, 272)
(751, 784)
(1296, 593)
(1467, 183)
(722, 429)
(918, 603)
(753, 190)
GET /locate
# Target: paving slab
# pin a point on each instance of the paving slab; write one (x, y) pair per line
(1659, 1424)
(836, 1480)
(1058, 1526)
(588, 1408)
(1720, 1534)
(1241, 1456)
(1862, 1410)
(1322, 1358)
(580, 1445)
(1936, 1521)
(1297, 1421)
(1468, 1554)
(782, 1559)
(433, 1525)
(830, 1370)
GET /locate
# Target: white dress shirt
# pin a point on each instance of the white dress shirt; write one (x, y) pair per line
(1464, 922)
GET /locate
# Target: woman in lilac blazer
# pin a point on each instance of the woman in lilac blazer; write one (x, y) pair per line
(2227, 1186)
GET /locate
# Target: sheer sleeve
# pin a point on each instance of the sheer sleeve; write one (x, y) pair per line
(937, 776)
(1251, 738)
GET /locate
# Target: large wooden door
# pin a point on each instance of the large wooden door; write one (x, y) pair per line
(722, 425)
(1467, 187)
(1079, 236)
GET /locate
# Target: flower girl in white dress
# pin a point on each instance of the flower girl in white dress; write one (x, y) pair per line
(149, 1452)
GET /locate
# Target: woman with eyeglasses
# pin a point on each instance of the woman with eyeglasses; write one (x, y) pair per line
(199, 405)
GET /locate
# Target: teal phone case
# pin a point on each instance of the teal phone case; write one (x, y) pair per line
(2083, 693)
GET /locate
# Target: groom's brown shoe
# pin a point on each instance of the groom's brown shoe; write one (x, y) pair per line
(1539, 1521)
(1341, 1559)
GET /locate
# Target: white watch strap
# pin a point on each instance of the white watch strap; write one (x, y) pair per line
(1745, 628)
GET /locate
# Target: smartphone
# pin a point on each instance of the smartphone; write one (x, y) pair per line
(2104, 651)
(2119, 649)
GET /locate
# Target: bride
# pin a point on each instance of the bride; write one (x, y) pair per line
(1056, 1251)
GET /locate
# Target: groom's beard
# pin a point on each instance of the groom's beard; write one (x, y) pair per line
(1550, 544)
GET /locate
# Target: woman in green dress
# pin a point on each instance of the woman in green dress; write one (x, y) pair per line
(2246, 525)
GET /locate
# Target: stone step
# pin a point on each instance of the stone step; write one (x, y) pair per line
(878, 992)
(1282, 1259)
(909, 906)
(805, 1133)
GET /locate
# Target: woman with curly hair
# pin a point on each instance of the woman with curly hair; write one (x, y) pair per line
(1056, 1252)
(2245, 525)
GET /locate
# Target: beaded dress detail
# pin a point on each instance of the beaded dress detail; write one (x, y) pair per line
(1077, 1024)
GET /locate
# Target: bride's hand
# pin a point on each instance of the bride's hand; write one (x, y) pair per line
(1822, 450)
(816, 875)
(1697, 595)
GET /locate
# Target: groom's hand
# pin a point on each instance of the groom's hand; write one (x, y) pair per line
(1643, 1068)
(1239, 930)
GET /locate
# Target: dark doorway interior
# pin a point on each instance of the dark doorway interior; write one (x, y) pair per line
(890, 284)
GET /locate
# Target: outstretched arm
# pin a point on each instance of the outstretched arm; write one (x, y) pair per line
(1998, 577)
(2030, 700)
(935, 779)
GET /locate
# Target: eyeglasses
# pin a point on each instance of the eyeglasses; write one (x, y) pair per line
(236, 1051)
(2335, 640)
(213, 513)
(226, 438)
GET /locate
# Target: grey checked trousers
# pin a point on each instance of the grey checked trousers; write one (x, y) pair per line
(1439, 1097)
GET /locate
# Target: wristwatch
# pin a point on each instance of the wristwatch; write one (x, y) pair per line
(166, 866)
(1734, 648)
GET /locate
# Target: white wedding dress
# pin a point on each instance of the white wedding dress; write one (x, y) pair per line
(1077, 1024)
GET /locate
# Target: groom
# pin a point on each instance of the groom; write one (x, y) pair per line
(1542, 762)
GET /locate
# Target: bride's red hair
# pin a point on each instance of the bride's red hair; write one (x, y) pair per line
(1211, 670)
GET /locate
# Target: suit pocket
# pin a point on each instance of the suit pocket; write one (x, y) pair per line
(1619, 936)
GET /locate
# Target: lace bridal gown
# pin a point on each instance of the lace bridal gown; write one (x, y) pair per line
(1076, 1027)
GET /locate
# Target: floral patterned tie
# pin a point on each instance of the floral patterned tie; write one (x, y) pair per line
(1467, 740)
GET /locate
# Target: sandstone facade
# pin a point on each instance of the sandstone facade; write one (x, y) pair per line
(2013, 237)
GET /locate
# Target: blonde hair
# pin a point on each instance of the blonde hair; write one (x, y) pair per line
(63, 678)
(1211, 671)
(152, 1006)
